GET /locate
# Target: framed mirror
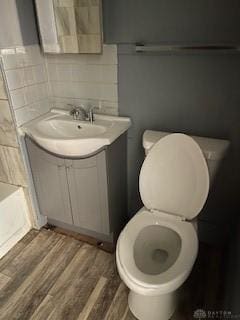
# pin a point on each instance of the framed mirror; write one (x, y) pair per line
(70, 26)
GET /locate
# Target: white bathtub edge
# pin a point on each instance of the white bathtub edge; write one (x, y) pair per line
(16, 198)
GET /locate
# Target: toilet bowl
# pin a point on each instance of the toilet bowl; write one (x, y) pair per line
(157, 248)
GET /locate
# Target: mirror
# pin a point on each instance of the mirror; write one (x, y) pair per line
(70, 26)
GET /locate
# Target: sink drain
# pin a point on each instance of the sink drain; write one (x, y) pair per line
(79, 127)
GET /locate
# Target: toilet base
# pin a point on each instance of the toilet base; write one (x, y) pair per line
(152, 307)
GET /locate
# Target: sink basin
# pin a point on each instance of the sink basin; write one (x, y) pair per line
(57, 132)
(67, 129)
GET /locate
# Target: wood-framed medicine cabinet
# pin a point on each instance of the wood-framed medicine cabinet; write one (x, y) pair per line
(70, 26)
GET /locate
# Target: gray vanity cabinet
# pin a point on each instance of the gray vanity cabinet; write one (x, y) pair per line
(83, 195)
(51, 185)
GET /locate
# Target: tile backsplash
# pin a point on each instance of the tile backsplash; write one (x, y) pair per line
(37, 82)
(27, 81)
(84, 79)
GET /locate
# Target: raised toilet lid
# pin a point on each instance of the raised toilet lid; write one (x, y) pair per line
(174, 177)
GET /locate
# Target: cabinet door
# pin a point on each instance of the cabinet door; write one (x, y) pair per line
(50, 180)
(88, 193)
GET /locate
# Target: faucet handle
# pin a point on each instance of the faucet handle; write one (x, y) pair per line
(91, 108)
(91, 114)
(73, 110)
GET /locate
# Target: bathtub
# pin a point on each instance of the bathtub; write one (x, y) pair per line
(14, 220)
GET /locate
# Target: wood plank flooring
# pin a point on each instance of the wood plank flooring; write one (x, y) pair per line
(50, 276)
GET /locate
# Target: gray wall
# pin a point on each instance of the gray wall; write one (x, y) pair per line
(195, 93)
(18, 23)
(128, 21)
(27, 21)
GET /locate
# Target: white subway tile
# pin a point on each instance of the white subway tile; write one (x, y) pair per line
(113, 111)
(94, 73)
(59, 89)
(26, 76)
(26, 114)
(44, 106)
(109, 92)
(18, 98)
(29, 77)
(52, 71)
(13, 61)
(78, 73)
(31, 94)
(108, 105)
(40, 74)
(85, 90)
(36, 93)
(88, 91)
(64, 72)
(15, 79)
(109, 73)
(42, 91)
(85, 73)
(32, 111)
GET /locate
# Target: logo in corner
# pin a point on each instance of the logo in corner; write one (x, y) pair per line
(199, 314)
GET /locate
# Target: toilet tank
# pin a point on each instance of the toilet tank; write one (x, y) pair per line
(213, 149)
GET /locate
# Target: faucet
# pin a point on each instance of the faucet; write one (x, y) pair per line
(78, 112)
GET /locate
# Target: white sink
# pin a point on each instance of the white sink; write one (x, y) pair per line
(68, 129)
(57, 132)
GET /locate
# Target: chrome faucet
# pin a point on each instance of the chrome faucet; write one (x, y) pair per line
(78, 113)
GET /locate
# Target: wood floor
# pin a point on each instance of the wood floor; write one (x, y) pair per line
(49, 276)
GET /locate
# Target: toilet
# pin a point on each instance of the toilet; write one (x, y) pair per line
(158, 247)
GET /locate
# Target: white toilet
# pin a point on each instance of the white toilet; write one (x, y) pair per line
(158, 247)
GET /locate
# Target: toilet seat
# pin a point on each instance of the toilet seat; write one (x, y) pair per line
(173, 277)
(174, 177)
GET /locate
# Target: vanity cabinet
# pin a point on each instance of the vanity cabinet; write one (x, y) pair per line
(84, 195)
